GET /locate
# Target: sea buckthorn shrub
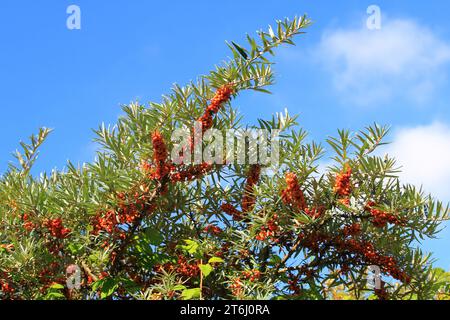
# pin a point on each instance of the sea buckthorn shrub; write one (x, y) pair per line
(139, 225)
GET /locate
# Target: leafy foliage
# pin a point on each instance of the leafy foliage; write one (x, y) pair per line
(141, 228)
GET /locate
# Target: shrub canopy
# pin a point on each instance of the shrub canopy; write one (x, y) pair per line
(135, 225)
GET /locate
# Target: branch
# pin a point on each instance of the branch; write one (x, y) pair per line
(88, 271)
(134, 227)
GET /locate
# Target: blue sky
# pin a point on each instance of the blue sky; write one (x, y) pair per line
(340, 74)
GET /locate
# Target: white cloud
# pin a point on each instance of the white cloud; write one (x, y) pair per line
(424, 154)
(402, 60)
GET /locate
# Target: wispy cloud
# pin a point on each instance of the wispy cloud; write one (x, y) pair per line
(424, 154)
(403, 60)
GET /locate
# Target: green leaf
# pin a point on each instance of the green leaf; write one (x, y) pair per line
(274, 260)
(206, 269)
(57, 286)
(191, 246)
(215, 260)
(75, 248)
(188, 294)
(54, 295)
(240, 50)
(97, 284)
(54, 292)
(179, 287)
(129, 285)
(303, 218)
(108, 288)
(154, 236)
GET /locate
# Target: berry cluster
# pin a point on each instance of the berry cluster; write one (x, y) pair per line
(212, 229)
(5, 285)
(293, 195)
(314, 240)
(345, 201)
(363, 252)
(182, 267)
(352, 230)
(381, 218)
(47, 273)
(270, 230)
(237, 284)
(27, 223)
(294, 280)
(221, 96)
(56, 228)
(248, 199)
(190, 173)
(251, 275)
(367, 253)
(162, 168)
(127, 213)
(49, 276)
(315, 212)
(236, 287)
(228, 208)
(342, 184)
(293, 285)
(104, 222)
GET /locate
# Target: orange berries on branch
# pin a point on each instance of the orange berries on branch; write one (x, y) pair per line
(293, 284)
(160, 154)
(56, 228)
(182, 267)
(190, 172)
(342, 184)
(228, 208)
(104, 222)
(212, 229)
(270, 230)
(345, 201)
(352, 230)
(129, 209)
(251, 275)
(292, 194)
(6, 287)
(315, 211)
(381, 218)
(222, 95)
(354, 251)
(27, 223)
(162, 167)
(248, 199)
(236, 287)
